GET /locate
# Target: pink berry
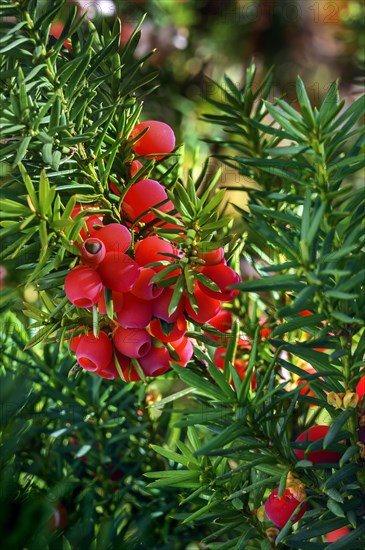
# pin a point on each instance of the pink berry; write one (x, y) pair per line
(94, 354)
(207, 307)
(159, 138)
(83, 286)
(110, 372)
(141, 197)
(222, 322)
(91, 221)
(118, 271)
(279, 510)
(213, 257)
(166, 332)
(143, 288)
(115, 236)
(184, 349)
(135, 167)
(135, 313)
(92, 252)
(129, 372)
(151, 249)
(156, 362)
(240, 363)
(161, 306)
(74, 340)
(223, 276)
(132, 342)
(317, 457)
(117, 298)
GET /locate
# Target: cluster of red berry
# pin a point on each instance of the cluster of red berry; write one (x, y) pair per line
(147, 334)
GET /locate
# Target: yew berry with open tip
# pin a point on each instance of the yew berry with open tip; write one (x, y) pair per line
(317, 457)
(83, 286)
(156, 362)
(94, 354)
(110, 372)
(92, 252)
(132, 342)
(279, 510)
(159, 138)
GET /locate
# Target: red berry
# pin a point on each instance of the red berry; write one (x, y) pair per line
(129, 372)
(305, 389)
(135, 313)
(337, 534)
(135, 167)
(184, 349)
(222, 322)
(151, 249)
(118, 300)
(160, 306)
(74, 340)
(56, 31)
(265, 332)
(166, 332)
(207, 307)
(115, 236)
(143, 288)
(360, 388)
(91, 221)
(83, 286)
(213, 257)
(118, 271)
(92, 252)
(94, 354)
(114, 189)
(223, 276)
(132, 342)
(141, 197)
(317, 457)
(110, 372)
(156, 362)
(131, 375)
(92, 224)
(279, 510)
(59, 520)
(159, 138)
(240, 363)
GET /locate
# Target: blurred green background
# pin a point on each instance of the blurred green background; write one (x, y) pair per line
(75, 450)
